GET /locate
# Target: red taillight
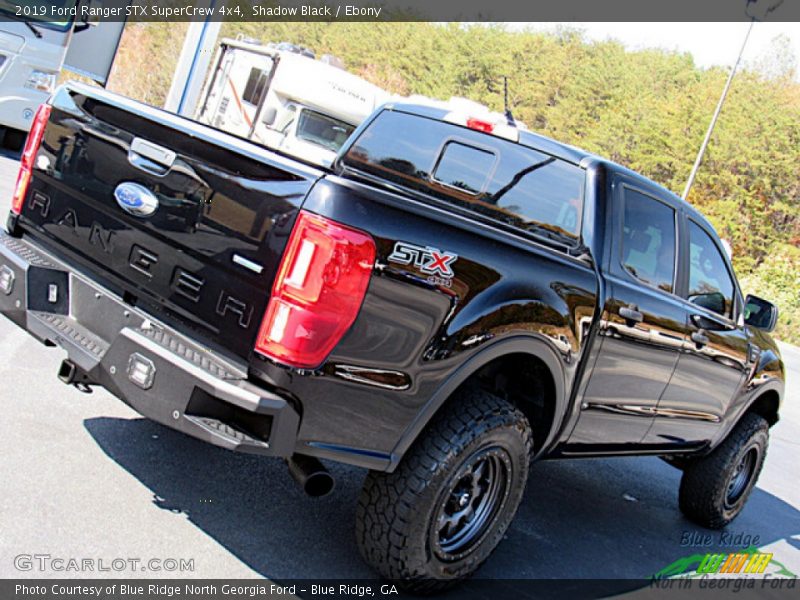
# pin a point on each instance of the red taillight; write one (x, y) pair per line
(28, 156)
(318, 292)
(484, 126)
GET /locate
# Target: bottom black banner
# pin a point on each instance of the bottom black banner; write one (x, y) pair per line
(321, 589)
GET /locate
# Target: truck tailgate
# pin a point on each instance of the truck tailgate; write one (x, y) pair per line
(180, 219)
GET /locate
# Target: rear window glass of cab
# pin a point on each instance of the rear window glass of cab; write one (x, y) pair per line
(488, 175)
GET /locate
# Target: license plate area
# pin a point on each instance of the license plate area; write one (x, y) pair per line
(48, 290)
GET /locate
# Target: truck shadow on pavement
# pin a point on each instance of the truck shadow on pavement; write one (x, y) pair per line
(580, 519)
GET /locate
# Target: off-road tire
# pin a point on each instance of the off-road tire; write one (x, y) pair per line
(396, 511)
(704, 492)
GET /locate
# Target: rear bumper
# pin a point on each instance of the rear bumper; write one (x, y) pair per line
(156, 370)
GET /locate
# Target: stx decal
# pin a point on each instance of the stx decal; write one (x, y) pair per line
(429, 260)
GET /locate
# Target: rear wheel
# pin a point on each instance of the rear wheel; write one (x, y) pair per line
(715, 488)
(440, 515)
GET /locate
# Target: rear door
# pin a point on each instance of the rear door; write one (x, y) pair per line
(206, 247)
(643, 322)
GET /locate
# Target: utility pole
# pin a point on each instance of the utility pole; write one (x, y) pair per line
(704, 145)
(195, 56)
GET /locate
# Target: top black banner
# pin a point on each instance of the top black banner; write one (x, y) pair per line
(89, 11)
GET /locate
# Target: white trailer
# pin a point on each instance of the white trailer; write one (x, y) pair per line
(282, 97)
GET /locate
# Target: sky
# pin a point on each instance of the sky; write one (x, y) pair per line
(711, 44)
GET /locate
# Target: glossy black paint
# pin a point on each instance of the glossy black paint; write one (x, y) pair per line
(614, 385)
(214, 204)
(426, 333)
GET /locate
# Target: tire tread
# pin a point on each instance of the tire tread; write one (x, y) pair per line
(386, 507)
(704, 479)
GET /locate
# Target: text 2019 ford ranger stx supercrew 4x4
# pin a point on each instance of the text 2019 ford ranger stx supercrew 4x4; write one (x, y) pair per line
(453, 299)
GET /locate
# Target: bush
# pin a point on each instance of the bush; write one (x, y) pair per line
(778, 280)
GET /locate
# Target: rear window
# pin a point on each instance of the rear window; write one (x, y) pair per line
(495, 178)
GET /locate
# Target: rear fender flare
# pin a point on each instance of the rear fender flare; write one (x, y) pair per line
(514, 345)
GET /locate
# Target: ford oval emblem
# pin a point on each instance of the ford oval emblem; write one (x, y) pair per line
(136, 199)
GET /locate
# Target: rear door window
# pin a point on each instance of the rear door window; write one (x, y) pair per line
(648, 240)
(495, 178)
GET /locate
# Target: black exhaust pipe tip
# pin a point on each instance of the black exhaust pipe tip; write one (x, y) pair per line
(311, 475)
(319, 484)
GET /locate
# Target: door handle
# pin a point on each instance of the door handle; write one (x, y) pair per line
(703, 322)
(631, 315)
(700, 338)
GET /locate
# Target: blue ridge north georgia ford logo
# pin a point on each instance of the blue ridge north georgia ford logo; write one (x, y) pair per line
(136, 199)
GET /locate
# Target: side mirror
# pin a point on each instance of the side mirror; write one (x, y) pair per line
(269, 115)
(760, 313)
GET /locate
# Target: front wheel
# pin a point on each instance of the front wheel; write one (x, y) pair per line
(714, 488)
(440, 515)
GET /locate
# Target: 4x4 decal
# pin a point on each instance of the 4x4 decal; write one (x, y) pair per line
(427, 259)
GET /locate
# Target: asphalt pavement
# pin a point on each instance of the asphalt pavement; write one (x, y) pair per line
(83, 476)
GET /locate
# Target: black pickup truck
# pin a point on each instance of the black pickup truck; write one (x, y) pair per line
(454, 299)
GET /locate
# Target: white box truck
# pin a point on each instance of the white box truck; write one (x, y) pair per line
(281, 96)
